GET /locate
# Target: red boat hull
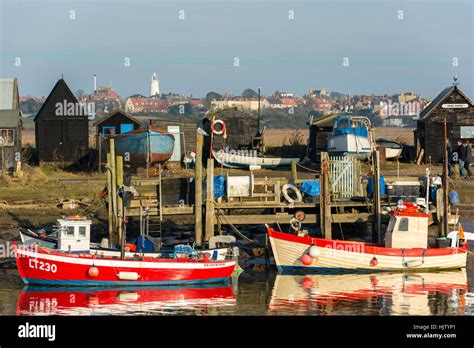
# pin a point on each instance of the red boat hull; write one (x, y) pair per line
(87, 301)
(42, 266)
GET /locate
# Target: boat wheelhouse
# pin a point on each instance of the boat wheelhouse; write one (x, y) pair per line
(351, 137)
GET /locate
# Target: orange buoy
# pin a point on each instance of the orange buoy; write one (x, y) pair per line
(374, 261)
(307, 283)
(93, 272)
(306, 260)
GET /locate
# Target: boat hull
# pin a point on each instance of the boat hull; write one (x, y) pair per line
(240, 161)
(350, 145)
(142, 144)
(343, 256)
(47, 267)
(35, 300)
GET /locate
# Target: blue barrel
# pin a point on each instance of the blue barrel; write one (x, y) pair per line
(311, 188)
(370, 186)
(454, 198)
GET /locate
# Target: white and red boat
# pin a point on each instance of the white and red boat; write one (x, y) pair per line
(406, 248)
(37, 265)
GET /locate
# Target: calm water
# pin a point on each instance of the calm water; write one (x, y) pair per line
(258, 293)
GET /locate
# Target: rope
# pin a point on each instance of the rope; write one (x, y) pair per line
(308, 169)
(232, 226)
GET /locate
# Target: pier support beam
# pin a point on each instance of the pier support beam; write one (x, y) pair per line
(198, 189)
(112, 191)
(210, 219)
(120, 209)
(377, 203)
(325, 201)
(294, 172)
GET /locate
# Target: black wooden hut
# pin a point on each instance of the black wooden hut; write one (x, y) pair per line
(458, 110)
(61, 127)
(116, 122)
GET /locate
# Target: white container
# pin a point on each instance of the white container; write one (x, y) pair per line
(240, 186)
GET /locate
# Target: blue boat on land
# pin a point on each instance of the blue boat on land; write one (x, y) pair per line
(152, 144)
(351, 137)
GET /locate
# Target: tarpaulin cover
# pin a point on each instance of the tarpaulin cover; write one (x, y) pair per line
(311, 188)
(219, 186)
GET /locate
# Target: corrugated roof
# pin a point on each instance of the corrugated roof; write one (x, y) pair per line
(7, 92)
(10, 118)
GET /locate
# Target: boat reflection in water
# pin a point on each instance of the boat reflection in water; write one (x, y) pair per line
(430, 293)
(195, 300)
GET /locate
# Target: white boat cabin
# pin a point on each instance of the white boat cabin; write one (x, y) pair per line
(74, 234)
(407, 229)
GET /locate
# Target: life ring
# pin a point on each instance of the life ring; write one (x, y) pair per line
(297, 192)
(223, 127)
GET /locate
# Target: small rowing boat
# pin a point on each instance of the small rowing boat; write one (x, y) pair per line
(233, 159)
(145, 144)
(392, 148)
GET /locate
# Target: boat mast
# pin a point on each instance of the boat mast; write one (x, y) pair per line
(258, 113)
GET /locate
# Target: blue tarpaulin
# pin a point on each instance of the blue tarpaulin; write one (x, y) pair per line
(219, 186)
(311, 188)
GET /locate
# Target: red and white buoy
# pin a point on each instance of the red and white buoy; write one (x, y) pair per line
(306, 260)
(93, 272)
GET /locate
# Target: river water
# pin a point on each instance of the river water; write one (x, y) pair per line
(258, 292)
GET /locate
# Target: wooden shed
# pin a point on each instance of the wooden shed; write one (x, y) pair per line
(10, 124)
(320, 128)
(184, 132)
(458, 110)
(116, 122)
(61, 127)
(241, 128)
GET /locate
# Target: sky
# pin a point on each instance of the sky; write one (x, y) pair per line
(349, 46)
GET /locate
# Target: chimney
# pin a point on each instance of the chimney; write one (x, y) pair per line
(95, 82)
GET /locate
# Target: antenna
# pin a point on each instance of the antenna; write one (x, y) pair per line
(258, 119)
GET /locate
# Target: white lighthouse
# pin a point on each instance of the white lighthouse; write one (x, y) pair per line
(154, 85)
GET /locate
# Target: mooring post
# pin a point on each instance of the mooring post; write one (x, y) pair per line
(110, 199)
(377, 203)
(325, 202)
(198, 189)
(120, 209)
(294, 173)
(99, 151)
(113, 190)
(446, 183)
(209, 200)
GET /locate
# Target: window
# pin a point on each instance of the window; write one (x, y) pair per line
(108, 130)
(82, 231)
(343, 124)
(403, 225)
(70, 230)
(8, 138)
(467, 132)
(391, 225)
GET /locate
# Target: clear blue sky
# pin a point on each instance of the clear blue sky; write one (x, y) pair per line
(196, 55)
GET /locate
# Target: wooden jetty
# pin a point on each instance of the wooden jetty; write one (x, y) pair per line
(342, 199)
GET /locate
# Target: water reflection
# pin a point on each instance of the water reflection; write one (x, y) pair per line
(194, 300)
(440, 293)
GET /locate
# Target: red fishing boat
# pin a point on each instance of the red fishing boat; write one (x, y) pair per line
(38, 300)
(37, 265)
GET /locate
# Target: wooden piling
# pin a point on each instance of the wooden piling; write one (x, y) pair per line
(446, 183)
(325, 202)
(294, 172)
(377, 203)
(210, 219)
(198, 189)
(120, 209)
(113, 190)
(110, 204)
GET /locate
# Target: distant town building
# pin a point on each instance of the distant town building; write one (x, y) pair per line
(154, 85)
(251, 105)
(10, 123)
(139, 105)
